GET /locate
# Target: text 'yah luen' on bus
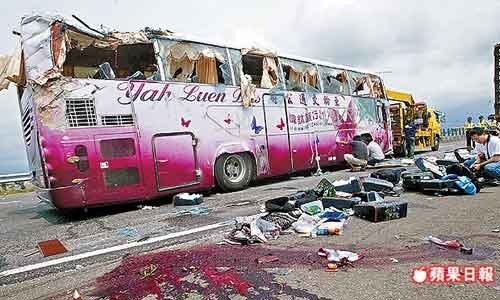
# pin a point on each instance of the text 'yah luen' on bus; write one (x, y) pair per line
(119, 117)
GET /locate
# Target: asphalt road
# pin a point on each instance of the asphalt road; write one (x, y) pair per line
(175, 261)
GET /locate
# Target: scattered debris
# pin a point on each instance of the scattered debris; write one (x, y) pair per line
(146, 207)
(127, 231)
(378, 211)
(454, 244)
(142, 239)
(239, 204)
(187, 199)
(51, 247)
(76, 295)
(267, 259)
(31, 253)
(466, 250)
(222, 269)
(148, 271)
(194, 211)
(331, 267)
(339, 256)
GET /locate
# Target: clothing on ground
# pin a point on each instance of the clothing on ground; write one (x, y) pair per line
(353, 161)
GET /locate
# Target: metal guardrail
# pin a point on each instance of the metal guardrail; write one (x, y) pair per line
(15, 178)
(452, 133)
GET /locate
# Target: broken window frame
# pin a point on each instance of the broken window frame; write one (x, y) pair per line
(264, 58)
(220, 54)
(326, 72)
(67, 40)
(302, 68)
(369, 82)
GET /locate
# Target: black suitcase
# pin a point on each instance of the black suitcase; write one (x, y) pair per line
(381, 211)
(411, 179)
(340, 203)
(377, 185)
(290, 202)
(437, 186)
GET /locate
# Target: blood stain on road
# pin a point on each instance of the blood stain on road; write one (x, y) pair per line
(219, 272)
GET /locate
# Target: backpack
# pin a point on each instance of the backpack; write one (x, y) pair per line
(461, 170)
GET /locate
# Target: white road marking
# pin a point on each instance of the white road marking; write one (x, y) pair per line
(111, 249)
(8, 202)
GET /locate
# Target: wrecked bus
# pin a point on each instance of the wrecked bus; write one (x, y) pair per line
(129, 116)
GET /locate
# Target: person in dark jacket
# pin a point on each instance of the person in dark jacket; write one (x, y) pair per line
(358, 158)
(410, 138)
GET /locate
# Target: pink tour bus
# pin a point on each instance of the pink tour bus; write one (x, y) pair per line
(118, 117)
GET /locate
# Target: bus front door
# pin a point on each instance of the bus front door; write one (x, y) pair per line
(175, 160)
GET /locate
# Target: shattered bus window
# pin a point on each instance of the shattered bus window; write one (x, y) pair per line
(236, 62)
(193, 62)
(366, 85)
(334, 80)
(111, 58)
(261, 66)
(300, 76)
(359, 84)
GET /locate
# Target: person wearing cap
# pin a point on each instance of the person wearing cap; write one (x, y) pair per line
(488, 153)
(468, 126)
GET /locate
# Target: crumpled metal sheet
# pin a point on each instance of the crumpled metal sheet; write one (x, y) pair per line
(36, 43)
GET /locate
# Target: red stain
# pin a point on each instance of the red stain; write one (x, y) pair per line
(224, 270)
(222, 267)
(226, 278)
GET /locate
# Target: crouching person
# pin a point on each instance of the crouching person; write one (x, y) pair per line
(359, 157)
(488, 153)
(375, 152)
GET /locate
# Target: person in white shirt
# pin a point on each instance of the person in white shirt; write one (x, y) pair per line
(375, 152)
(488, 153)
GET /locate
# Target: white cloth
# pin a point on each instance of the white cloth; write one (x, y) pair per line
(353, 161)
(491, 148)
(375, 151)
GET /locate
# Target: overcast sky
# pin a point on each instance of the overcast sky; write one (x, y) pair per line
(441, 51)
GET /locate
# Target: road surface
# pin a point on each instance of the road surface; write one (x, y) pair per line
(142, 251)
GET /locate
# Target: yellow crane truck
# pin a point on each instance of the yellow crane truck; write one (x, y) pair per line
(427, 121)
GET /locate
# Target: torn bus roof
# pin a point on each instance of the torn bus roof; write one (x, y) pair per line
(46, 41)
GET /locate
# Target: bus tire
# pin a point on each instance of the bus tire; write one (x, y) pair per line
(436, 143)
(234, 172)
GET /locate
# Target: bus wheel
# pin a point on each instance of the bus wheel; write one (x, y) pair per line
(436, 143)
(233, 171)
